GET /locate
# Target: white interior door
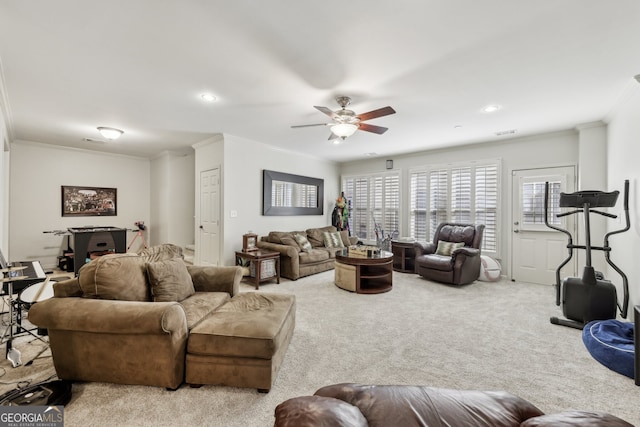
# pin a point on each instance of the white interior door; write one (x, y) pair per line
(209, 228)
(537, 250)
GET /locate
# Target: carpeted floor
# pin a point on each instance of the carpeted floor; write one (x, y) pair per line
(485, 336)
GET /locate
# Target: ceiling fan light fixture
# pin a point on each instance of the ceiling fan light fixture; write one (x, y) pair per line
(110, 133)
(344, 130)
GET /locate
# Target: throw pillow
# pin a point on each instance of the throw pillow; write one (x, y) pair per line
(170, 280)
(332, 240)
(303, 242)
(446, 248)
(289, 241)
(115, 276)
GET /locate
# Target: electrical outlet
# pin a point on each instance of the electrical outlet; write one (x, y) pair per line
(233, 214)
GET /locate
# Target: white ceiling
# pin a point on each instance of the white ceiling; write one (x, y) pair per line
(141, 65)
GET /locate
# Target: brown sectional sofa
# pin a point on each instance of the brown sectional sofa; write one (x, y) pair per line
(150, 320)
(356, 405)
(296, 262)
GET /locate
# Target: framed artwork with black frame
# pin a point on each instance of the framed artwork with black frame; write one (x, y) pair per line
(89, 201)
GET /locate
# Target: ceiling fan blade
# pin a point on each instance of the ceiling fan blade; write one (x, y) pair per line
(306, 126)
(327, 111)
(372, 128)
(333, 136)
(385, 111)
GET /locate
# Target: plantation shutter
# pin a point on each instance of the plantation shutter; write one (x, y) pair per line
(360, 208)
(461, 195)
(391, 204)
(418, 206)
(438, 195)
(486, 203)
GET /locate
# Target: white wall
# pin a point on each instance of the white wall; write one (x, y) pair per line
(242, 162)
(4, 187)
(37, 173)
(173, 198)
(546, 150)
(623, 154)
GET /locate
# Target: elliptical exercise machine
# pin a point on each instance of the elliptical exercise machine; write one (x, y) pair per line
(590, 297)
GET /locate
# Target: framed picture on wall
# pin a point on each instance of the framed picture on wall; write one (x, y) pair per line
(89, 201)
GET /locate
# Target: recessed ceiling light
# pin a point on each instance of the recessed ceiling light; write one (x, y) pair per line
(506, 132)
(491, 108)
(457, 127)
(370, 154)
(208, 97)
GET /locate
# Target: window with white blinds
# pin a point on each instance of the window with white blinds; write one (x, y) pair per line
(438, 198)
(418, 205)
(375, 199)
(533, 203)
(459, 193)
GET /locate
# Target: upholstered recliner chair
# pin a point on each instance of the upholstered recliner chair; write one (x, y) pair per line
(454, 255)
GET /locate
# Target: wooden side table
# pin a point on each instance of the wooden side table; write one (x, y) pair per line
(404, 256)
(256, 258)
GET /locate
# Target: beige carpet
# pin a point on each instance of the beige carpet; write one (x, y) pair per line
(486, 336)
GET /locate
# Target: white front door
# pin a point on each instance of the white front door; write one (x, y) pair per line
(537, 250)
(209, 228)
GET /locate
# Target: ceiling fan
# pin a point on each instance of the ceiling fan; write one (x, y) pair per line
(346, 122)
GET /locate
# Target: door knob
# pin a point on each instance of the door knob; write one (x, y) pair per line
(201, 227)
(516, 231)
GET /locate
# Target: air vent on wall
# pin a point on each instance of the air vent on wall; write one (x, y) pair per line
(506, 132)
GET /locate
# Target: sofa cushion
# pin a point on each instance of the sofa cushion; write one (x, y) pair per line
(277, 236)
(408, 406)
(438, 262)
(576, 418)
(199, 305)
(446, 248)
(303, 242)
(332, 239)
(314, 255)
(161, 252)
(316, 235)
(458, 233)
(318, 411)
(115, 276)
(346, 239)
(169, 280)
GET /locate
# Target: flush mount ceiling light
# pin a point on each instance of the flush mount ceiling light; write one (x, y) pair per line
(344, 130)
(491, 108)
(110, 133)
(208, 97)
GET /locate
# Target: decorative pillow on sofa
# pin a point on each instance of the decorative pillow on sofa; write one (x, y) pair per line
(170, 280)
(316, 235)
(446, 248)
(303, 242)
(332, 240)
(290, 241)
(115, 276)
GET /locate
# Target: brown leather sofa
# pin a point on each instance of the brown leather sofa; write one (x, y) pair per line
(296, 262)
(441, 261)
(147, 319)
(356, 405)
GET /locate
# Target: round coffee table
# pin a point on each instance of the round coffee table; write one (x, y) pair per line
(364, 273)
